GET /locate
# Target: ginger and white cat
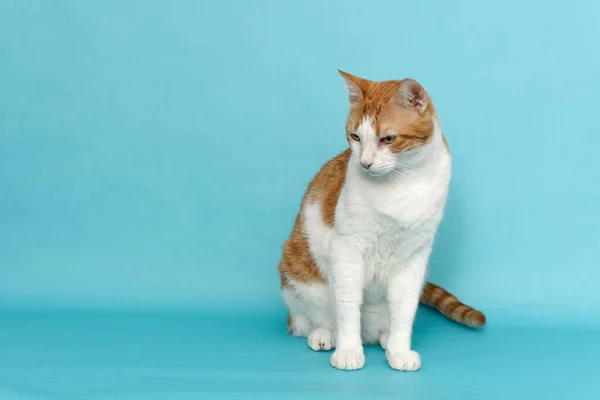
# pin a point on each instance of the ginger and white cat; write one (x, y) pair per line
(353, 270)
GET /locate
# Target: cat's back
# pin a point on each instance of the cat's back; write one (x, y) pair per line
(326, 186)
(305, 251)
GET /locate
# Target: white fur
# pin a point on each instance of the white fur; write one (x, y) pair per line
(367, 148)
(375, 258)
(320, 339)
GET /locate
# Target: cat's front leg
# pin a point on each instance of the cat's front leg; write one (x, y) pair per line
(346, 285)
(404, 290)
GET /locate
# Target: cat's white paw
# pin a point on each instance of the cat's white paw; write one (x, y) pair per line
(404, 360)
(320, 339)
(348, 359)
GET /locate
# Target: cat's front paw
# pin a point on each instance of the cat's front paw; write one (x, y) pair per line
(404, 360)
(321, 339)
(348, 359)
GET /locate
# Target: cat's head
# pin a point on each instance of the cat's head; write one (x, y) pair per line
(389, 122)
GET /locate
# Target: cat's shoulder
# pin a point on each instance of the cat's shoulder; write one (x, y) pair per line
(327, 185)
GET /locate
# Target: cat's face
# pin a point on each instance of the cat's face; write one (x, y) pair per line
(388, 123)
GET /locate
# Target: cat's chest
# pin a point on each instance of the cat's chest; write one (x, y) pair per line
(389, 222)
(398, 207)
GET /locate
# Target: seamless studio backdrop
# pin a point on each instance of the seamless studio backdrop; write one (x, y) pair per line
(153, 156)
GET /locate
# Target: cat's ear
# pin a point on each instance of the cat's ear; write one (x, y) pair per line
(356, 86)
(413, 95)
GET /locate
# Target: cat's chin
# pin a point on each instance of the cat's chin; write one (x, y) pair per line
(375, 173)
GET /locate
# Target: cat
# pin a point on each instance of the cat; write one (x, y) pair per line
(354, 267)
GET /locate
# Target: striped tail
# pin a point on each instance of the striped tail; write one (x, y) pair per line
(438, 298)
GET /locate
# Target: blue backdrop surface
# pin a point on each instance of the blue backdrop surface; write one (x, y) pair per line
(153, 156)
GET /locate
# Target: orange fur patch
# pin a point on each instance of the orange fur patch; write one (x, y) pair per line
(446, 303)
(297, 262)
(392, 114)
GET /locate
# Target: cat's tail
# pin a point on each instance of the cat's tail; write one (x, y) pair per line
(438, 298)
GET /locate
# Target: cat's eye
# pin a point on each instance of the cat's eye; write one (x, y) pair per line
(354, 136)
(389, 139)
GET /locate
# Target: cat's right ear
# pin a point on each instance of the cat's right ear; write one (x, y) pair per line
(355, 85)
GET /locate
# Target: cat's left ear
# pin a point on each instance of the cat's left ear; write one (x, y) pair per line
(356, 86)
(413, 95)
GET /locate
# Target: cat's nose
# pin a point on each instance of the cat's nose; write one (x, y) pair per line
(366, 164)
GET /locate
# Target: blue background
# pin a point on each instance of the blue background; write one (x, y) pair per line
(153, 155)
